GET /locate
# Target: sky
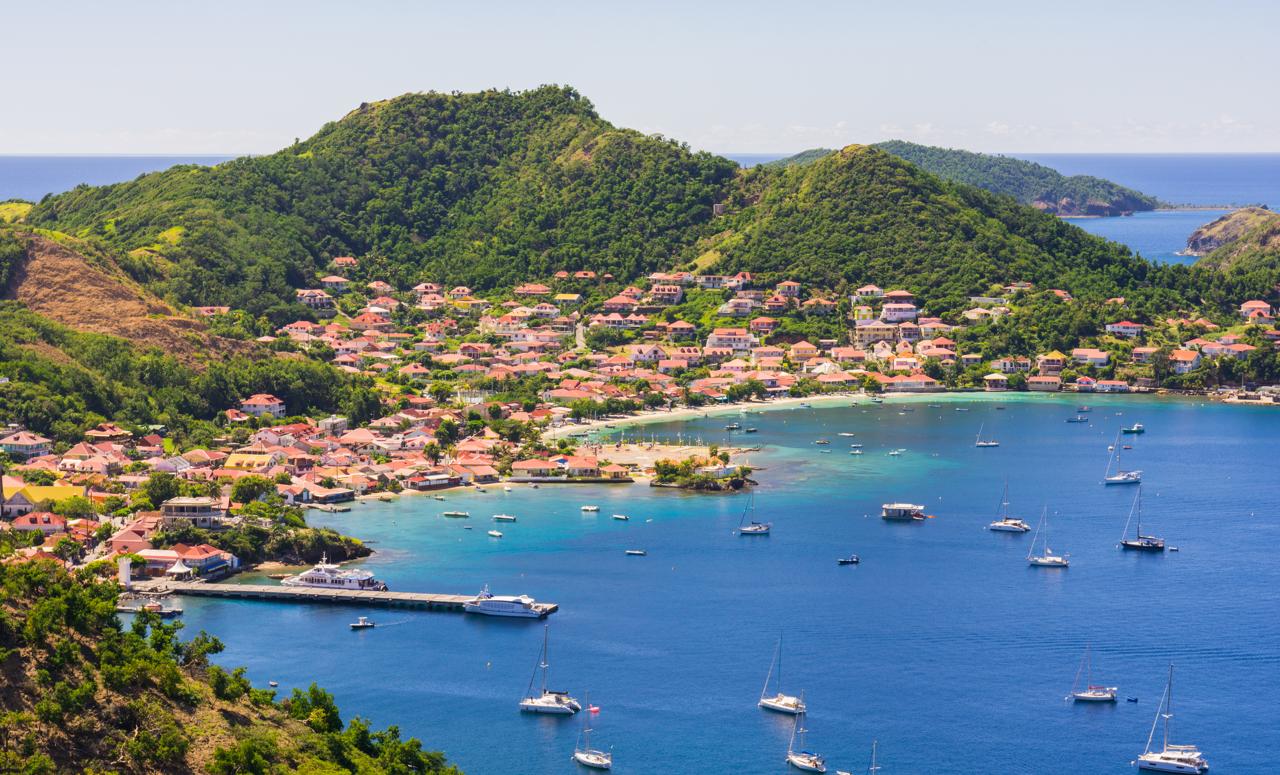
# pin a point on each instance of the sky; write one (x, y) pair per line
(186, 77)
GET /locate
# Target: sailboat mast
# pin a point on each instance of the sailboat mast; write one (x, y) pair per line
(874, 767)
(777, 655)
(1168, 708)
(546, 629)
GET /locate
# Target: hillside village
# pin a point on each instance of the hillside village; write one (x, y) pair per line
(469, 381)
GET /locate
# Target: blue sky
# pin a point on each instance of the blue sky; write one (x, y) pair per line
(248, 77)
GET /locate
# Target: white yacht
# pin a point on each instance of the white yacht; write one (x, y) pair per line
(489, 604)
(1170, 758)
(782, 703)
(456, 514)
(547, 700)
(591, 509)
(752, 528)
(808, 761)
(902, 512)
(1006, 523)
(584, 754)
(983, 443)
(329, 576)
(1120, 476)
(622, 517)
(1091, 692)
(495, 534)
(504, 518)
(1048, 559)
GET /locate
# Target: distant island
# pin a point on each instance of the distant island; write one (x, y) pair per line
(1028, 182)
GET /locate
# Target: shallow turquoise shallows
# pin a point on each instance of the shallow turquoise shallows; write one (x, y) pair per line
(942, 644)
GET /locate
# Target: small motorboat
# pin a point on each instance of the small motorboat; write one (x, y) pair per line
(850, 560)
(750, 430)
(466, 527)
(504, 518)
(1083, 409)
(590, 509)
(495, 534)
(506, 488)
(1134, 429)
(1130, 699)
(846, 434)
(621, 517)
(273, 684)
(855, 452)
(363, 623)
(533, 486)
(823, 441)
(733, 426)
(1078, 418)
(636, 553)
(438, 497)
(457, 514)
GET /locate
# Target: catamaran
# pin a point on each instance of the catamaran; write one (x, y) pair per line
(1120, 476)
(1170, 758)
(1090, 692)
(752, 528)
(1006, 523)
(979, 442)
(1139, 542)
(547, 700)
(584, 754)
(1048, 559)
(800, 758)
(782, 703)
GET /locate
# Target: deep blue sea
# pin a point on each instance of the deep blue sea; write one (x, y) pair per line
(943, 644)
(31, 177)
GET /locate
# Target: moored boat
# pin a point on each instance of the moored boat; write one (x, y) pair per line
(517, 606)
(583, 753)
(330, 576)
(456, 514)
(1139, 542)
(504, 518)
(779, 701)
(546, 700)
(752, 528)
(798, 757)
(1134, 429)
(1185, 759)
(1120, 476)
(1006, 523)
(590, 509)
(902, 512)
(1090, 692)
(1046, 559)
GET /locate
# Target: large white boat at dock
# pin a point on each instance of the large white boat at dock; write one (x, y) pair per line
(518, 606)
(327, 575)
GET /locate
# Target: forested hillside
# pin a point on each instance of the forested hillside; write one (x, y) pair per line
(1028, 182)
(481, 189)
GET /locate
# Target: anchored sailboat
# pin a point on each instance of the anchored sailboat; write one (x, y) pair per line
(1090, 692)
(1121, 476)
(587, 756)
(799, 757)
(1006, 523)
(979, 441)
(547, 700)
(1139, 542)
(1048, 559)
(752, 528)
(1170, 758)
(783, 703)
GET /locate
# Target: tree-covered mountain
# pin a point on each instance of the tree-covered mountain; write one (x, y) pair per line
(804, 157)
(1029, 183)
(482, 189)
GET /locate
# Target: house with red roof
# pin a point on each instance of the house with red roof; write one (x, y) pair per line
(262, 405)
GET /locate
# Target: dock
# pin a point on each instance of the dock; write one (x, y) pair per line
(427, 601)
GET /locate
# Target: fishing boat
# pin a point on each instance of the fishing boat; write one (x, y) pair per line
(518, 606)
(778, 701)
(504, 518)
(636, 553)
(980, 442)
(1091, 691)
(798, 757)
(591, 509)
(1139, 542)
(583, 753)
(1047, 559)
(1170, 758)
(456, 514)
(363, 623)
(850, 560)
(1078, 418)
(1134, 429)
(330, 576)
(752, 528)
(1120, 476)
(621, 517)
(495, 534)
(1006, 523)
(902, 512)
(547, 700)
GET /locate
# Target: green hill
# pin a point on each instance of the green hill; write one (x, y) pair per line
(482, 189)
(800, 159)
(79, 693)
(862, 215)
(1028, 182)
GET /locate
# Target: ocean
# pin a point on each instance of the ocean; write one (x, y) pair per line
(32, 177)
(942, 644)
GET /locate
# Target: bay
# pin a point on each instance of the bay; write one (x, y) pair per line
(943, 644)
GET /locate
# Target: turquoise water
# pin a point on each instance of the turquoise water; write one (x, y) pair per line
(942, 644)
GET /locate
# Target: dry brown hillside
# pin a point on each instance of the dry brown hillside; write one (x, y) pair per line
(60, 283)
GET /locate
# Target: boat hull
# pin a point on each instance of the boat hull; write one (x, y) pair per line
(471, 608)
(593, 759)
(1159, 764)
(806, 763)
(557, 709)
(1005, 527)
(1093, 697)
(1142, 546)
(790, 706)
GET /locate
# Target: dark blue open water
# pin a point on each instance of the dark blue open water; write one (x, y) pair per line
(943, 643)
(31, 177)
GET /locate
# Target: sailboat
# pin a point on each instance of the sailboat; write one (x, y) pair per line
(752, 528)
(587, 756)
(1120, 476)
(1170, 758)
(1048, 559)
(547, 700)
(783, 703)
(988, 443)
(1090, 692)
(1139, 542)
(799, 757)
(1006, 523)
(872, 768)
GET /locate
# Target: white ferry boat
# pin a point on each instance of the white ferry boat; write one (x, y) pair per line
(329, 576)
(489, 604)
(902, 511)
